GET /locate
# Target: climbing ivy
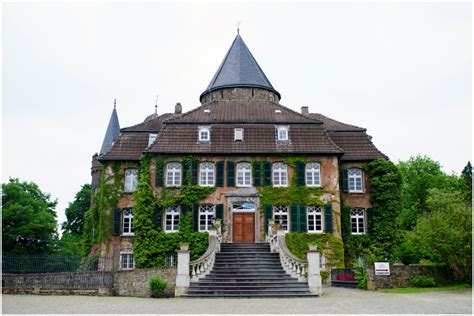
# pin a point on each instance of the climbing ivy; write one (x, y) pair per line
(291, 195)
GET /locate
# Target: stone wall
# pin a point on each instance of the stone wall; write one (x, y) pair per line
(135, 282)
(240, 94)
(400, 276)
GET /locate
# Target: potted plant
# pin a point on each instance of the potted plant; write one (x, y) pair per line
(184, 247)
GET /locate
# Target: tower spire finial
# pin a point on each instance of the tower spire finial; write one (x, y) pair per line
(115, 103)
(238, 26)
(156, 104)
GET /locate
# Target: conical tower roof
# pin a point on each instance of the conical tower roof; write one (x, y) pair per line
(238, 70)
(113, 132)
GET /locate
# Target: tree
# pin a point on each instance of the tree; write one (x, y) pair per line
(447, 231)
(419, 175)
(466, 182)
(76, 210)
(28, 219)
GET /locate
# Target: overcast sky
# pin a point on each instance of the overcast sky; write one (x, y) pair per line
(403, 71)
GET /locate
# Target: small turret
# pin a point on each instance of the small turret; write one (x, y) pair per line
(113, 131)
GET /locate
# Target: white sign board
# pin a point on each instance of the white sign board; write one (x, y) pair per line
(382, 268)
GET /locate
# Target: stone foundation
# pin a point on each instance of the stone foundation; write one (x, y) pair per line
(135, 282)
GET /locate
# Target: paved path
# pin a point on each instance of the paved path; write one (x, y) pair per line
(334, 300)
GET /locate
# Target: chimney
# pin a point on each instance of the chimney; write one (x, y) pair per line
(178, 109)
(304, 110)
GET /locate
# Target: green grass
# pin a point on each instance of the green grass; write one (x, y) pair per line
(406, 290)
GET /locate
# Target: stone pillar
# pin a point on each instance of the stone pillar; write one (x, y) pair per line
(182, 275)
(314, 275)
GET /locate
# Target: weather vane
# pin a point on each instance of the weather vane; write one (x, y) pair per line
(238, 25)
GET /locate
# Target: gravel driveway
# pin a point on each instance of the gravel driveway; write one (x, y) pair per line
(334, 300)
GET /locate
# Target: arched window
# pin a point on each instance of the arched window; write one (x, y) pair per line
(313, 174)
(315, 219)
(172, 219)
(131, 180)
(127, 222)
(206, 174)
(173, 174)
(280, 175)
(206, 216)
(244, 174)
(355, 180)
(358, 221)
(280, 215)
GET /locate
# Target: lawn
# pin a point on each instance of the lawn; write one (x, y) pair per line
(406, 290)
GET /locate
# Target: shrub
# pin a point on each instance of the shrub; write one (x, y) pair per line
(157, 285)
(422, 281)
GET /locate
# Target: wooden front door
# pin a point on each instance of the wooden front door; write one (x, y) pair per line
(244, 227)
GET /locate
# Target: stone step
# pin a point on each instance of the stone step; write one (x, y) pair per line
(210, 285)
(248, 291)
(250, 295)
(246, 282)
(236, 278)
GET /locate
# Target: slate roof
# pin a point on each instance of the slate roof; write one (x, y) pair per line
(239, 69)
(333, 125)
(113, 131)
(242, 112)
(151, 124)
(258, 139)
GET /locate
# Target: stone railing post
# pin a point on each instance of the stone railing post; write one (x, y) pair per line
(314, 275)
(182, 275)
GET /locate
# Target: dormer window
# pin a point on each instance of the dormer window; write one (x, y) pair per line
(282, 133)
(238, 134)
(151, 139)
(204, 133)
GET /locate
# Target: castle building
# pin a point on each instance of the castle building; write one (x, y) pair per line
(250, 148)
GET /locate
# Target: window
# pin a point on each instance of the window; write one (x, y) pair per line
(280, 175)
(280, 215)
(238, 134)
(126, 261)
(151, 139)
(355, 180)
(206, 174)
(131, 180)
(173, 174)
(358, 221)
(204, 133)
(127, 222)
(315, 219)
(282, 133)
(244, 174)
(172, 219)
(313, 174)
(206, 217)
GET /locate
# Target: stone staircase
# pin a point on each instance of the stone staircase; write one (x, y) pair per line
(247, 270)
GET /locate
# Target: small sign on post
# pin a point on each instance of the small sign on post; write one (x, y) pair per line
(382, 268)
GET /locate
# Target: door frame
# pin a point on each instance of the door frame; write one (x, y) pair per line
(230, 207)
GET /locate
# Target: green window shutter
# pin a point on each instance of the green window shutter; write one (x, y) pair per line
(194, 172)
(116, 221)
(328, 218)
(220, 212)
(195, 220)
(159, 173)
(184, 174)
(300, 173)
(230, 173)
(370, 221)
(345, 180)
(257, 170)
(303, 219)
(346, 220)
(294, 227)
(268, 213)
(267, 173)
(158, 218)
(219, 174)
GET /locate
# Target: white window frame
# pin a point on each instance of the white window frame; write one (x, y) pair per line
(358, 217)
(243, 174)
(313, 174)
(173, 174)
(207, 174)
(280, 174)
(283, 133)
(127, 222)
(316, 214)
(238, 134)
(127, 258)
(207, 212)
(204, 133)
(354, 186)
(282, 211)
(172, 214)
(151, 138)
(131, 180)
